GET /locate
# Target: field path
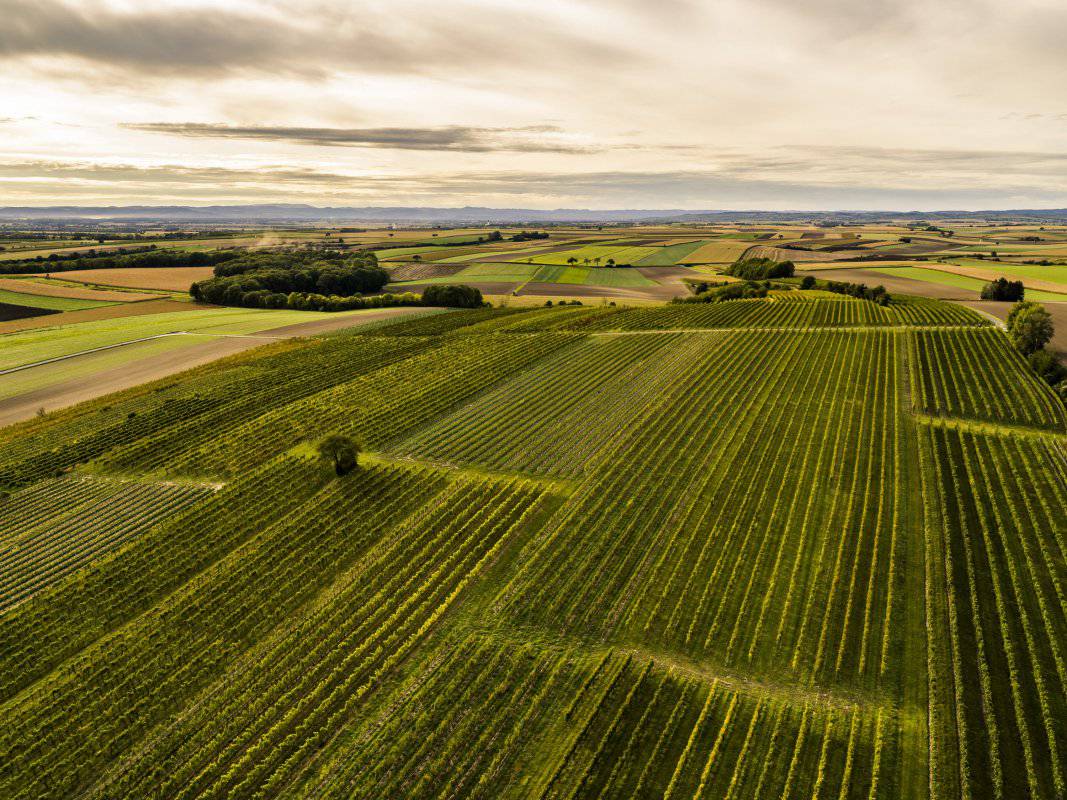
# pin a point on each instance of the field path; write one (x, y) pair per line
(159, 365)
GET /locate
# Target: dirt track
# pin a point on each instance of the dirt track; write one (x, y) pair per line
(159, 365)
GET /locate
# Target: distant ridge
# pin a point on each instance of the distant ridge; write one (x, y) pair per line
(302, 213)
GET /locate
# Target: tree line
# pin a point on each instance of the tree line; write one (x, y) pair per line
(121, 258)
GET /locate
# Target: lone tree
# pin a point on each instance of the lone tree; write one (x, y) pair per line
(341, 451)
(1029, 326)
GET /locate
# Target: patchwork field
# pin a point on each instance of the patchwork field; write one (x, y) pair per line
(793, 547)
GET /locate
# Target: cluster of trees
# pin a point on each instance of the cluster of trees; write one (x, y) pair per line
(1030, 328)
(132, 258)
(452, 296)
(309, 281)
(526, 236)
(861, 291)
(721, 292)
(268, 280)
(761, 269)
(1003, 289)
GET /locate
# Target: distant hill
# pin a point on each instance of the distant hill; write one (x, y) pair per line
(301, 213)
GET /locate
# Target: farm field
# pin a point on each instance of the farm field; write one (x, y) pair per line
(46, 287)
(49, 302)
(784, 547)
(90, 371)
(171, 279)
(935, 274)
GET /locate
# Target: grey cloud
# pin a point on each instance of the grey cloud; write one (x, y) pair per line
(321, 40)
(605, 189)
(449, 137)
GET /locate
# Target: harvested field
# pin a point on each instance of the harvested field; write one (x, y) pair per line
(788, 254)
(176, 279)
(48, 289)
(722, 251)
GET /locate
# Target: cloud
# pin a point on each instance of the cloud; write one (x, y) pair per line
(449, 137)
(267, 37)
(694, 189)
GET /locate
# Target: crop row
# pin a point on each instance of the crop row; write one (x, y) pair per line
(250, 733)
(376, 406)
(997, 629)
(773, 313)
(145, 671)
(199, 408)
(48, 501)
(491, 719)
(335, 360)
(67, 618)
(686, 540)
(977, 374)
(42, 554)
(553, 418)
(437, 324)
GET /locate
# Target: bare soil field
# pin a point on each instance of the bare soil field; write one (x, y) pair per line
(175, 279)
(9, 311)
(92, 314)
(28, 286)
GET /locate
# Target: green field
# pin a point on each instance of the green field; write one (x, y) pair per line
(51, 303)
(672, 254)
(774, 548)
(1054, 273)
(934, 275)
(42, 344)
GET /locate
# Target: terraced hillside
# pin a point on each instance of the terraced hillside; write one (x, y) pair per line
(763, 548)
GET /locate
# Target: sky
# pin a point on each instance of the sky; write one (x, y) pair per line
(648, 104)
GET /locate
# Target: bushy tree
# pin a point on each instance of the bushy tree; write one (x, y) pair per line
(1047, 367)
(761, 269)
(340, 451)
(1030, 327)
(1003, 289)
(452, 296)
(808, 282)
